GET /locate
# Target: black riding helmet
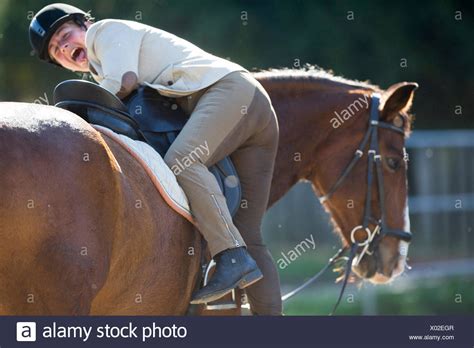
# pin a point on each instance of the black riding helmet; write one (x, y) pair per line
(47, 21)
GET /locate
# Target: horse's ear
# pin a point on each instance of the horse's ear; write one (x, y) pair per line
(397, 98)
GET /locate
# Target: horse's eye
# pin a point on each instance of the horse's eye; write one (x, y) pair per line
(393, 163)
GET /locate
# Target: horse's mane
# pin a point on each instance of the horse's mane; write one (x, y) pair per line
(310, 73)
(313, 73)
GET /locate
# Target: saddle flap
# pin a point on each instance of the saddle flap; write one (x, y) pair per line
(155, 113)
(227, 178)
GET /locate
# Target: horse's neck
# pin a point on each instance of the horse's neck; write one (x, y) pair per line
(304, 111)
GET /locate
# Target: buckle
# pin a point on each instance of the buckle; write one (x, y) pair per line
(366, 230)
(365, 244)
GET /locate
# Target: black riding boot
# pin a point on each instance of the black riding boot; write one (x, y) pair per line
(234, 268)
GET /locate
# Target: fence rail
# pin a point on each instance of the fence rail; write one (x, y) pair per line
(437, 139)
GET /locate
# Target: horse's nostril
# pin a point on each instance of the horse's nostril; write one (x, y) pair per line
(371, 270)
(388, 272)
(367, 267)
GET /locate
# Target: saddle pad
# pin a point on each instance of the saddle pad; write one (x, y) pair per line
(156, 168)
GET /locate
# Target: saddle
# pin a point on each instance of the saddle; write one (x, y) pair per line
(144, 115)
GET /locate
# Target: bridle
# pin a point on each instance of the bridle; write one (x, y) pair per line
(381, 229)
(375, 160)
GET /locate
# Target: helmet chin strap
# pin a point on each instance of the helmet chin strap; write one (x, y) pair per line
(81, 23)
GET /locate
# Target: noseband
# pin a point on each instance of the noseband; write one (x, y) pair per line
(381, 229)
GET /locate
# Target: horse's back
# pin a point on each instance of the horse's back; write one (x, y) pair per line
(74, 240)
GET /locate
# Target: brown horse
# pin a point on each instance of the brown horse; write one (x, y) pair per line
(84, 231)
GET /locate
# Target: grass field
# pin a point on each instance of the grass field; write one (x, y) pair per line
(415, 293)
(453, 295)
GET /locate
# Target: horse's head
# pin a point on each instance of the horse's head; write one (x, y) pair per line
(346, 188)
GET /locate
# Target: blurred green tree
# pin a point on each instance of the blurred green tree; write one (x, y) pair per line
(385, 42)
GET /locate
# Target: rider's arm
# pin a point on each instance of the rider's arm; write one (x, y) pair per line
(117, 48)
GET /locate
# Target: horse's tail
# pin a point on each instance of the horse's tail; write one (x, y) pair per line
(59, 188)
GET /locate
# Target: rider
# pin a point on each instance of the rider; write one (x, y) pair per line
(230, 113)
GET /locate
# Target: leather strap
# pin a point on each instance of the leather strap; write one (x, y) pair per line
(374, 164)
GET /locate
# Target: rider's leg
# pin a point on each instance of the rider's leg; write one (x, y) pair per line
(222, 115)
(255, 160)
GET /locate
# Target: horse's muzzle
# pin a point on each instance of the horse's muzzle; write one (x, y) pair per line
(382, 266)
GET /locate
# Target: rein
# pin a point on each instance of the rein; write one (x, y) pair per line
(381, 229)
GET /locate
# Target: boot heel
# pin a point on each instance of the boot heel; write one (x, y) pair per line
(250, 278)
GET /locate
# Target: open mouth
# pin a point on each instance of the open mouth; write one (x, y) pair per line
(78, 54)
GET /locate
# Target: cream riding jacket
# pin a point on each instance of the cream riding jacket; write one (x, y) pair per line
(161, 60)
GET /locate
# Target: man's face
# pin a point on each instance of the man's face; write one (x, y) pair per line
(67, 47)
